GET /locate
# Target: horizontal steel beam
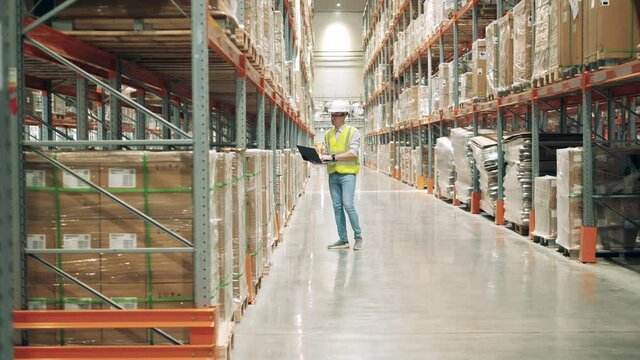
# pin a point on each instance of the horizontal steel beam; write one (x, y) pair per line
(110, 251)
(81, 143)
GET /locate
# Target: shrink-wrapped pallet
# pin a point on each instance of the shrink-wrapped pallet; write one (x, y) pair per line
(545, 207)
(485, 154)
(517, 179)
(505, 51)
(479, 68)
(492, 34)
(522, 42)
(569, 197)
(254, 193)
(444, 167)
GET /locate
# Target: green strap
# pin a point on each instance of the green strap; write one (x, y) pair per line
(147, 229)
(56, 180)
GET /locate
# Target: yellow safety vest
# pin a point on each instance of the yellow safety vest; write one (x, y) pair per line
(339, 147)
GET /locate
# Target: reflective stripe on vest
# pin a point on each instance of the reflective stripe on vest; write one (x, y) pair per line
(342, 145)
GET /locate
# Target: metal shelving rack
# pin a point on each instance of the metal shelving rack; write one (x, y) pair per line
(593, 94)
(209, 95)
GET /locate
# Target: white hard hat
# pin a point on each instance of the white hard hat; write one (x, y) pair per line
(339, 106)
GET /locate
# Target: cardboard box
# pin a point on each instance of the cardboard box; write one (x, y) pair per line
(75, 298)
(80, 234)
(41, 235)
(505, 51)
(612, 30)
(545, 204)
(522, 41)
(130, 296)
(52, 193)
(570, 33)
(42, 297)
(173, 296)
(134, 268)
(492, 32)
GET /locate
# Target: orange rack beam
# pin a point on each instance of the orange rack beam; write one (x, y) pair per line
(201, 323)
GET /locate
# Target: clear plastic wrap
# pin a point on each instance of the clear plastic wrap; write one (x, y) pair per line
(541, 49)
(569, 187)
(522, 42)
(492, 52)
(459, 138)
(466, 87)
(239, 227)
(505, 51)
(268, 207)
(485, 154)
(253, 188)
(545, 207)
(444, 167)
(156, 183)
(223, 201)
(517, 179)
(443, 74)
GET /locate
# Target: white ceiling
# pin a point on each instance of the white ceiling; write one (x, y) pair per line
(345, 5)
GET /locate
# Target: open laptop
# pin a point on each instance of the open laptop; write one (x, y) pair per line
(309, 154)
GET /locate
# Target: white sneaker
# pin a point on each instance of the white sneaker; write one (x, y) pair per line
(358, 245)
(339, 245)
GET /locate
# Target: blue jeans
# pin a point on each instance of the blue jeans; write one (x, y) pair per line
(343, 188)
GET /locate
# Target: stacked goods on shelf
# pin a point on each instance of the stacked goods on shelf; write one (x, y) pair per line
(239, 231)
(466, 87)
(444, 167)
(485, 154)
(267, 21)
(227, 7)
(436, 86)
(612, 176)
(517, 179)
(278, 48)
(546, 40)
(463, 156)
(281, 170)
(491, 32)
(444, 75)
(569, 197)
(254, 193)
(415, 166)
(479, 66)
(267, 206)
(611, 31)
(65, 213)
(616, 173)
(545, 205)
(522, 42)
(413, 103)
(405, 163)
(505, 52)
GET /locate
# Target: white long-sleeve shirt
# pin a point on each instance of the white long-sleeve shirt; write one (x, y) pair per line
(354, 146)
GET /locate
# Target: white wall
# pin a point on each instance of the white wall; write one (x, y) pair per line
(338, 55)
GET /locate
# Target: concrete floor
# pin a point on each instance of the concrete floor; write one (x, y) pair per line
(433, 282)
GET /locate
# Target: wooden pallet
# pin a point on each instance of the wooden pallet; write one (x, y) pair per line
(543, 241)
(238, 313)
(574, 254)
(227, 341)
(256, 287)
(520, 229)
(520, 87)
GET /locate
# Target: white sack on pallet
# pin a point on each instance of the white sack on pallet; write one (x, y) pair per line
(545, 207)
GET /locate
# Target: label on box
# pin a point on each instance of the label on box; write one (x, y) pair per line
(78, 304)
(36, 241)
(554, 213)
(77, 241)
(126, 303)
(37, 304)
(122, 241)
(35, 177)
(71, 182)
(122, 178)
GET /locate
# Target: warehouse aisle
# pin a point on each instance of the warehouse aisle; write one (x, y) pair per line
(433, 282)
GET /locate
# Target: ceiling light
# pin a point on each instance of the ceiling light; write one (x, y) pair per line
(338, 4)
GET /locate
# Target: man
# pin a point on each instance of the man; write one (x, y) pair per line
(342, 143)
